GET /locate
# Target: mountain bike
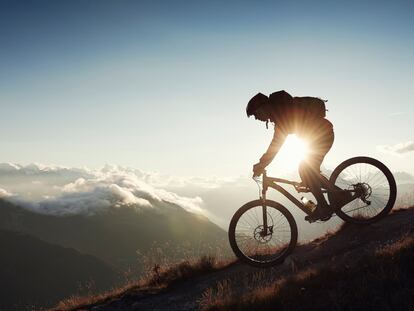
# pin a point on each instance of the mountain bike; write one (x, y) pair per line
(263, 232)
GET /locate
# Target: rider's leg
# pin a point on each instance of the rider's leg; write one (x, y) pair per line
(309, 171)
(310, 175)
(326, 184)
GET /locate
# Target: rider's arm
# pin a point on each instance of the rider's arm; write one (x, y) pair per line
(278, 139)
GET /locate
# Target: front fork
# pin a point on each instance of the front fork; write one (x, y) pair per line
(264, 208)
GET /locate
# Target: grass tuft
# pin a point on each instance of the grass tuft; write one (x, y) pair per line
(168, 275)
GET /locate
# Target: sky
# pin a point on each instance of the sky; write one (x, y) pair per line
(162, 86)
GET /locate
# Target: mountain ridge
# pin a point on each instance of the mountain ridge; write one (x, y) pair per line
(32, 270)
(124, 229)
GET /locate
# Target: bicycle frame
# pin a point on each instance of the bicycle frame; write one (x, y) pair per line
(263, 232)
(271, 182)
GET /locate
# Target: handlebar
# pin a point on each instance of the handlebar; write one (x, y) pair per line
(263, 175)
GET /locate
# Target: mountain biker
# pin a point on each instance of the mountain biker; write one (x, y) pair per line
(282, 109)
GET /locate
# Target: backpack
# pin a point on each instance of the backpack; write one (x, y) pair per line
(311, 107)
(281, 102)
(305, 107)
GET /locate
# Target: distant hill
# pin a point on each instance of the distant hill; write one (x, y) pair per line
(117, 234)
(36, 273)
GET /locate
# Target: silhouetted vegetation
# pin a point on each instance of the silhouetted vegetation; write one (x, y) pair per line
(354, 268)
(158, 277)
(380, 281)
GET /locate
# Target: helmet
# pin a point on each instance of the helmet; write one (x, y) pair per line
(255, 102)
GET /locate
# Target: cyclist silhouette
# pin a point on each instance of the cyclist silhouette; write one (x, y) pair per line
(290, 116)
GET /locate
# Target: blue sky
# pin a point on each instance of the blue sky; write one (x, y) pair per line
(163, 85)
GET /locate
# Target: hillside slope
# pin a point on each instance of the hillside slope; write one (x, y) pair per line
(36, 273)
(346, 252)
(116, 235)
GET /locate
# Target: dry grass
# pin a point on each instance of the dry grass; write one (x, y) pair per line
(224, 297)
(400, 208)
(380, 281)
(334, 286)
(80, 302)
(404, 200)
(163, 265)
(393, 248)
(157, 278)
(168, 275)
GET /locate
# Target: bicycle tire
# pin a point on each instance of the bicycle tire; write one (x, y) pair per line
(358, 219)
(283, 212)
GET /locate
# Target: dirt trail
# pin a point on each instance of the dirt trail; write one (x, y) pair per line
(346, 246)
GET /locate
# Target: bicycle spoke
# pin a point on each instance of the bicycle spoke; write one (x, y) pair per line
(372, 182)
(250, 237)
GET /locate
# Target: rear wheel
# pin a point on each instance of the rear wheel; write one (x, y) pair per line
(257, 245)
(373, 186)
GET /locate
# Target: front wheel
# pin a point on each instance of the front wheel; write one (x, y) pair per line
(262, 235)
(372, 185)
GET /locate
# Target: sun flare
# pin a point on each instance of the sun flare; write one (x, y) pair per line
(293, 151)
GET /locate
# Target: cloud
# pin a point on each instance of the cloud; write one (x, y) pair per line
(9, 167)
(398, 149)
(98, 199)
(42, 170)
(89, 191)
(4, 193)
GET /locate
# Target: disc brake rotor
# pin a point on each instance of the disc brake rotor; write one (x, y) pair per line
(259, 235)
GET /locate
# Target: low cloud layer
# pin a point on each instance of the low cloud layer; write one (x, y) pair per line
(60, 190)
(4, 193)
(65, 191)
(398, 149)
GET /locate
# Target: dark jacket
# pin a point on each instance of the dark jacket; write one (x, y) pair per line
(317, 132)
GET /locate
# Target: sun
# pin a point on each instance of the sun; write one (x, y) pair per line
(292, 152)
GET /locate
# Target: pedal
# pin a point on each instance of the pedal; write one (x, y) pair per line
(310, 219)
(302, 189)
(318, 216)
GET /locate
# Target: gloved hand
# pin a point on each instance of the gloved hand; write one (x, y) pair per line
(258, 169)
